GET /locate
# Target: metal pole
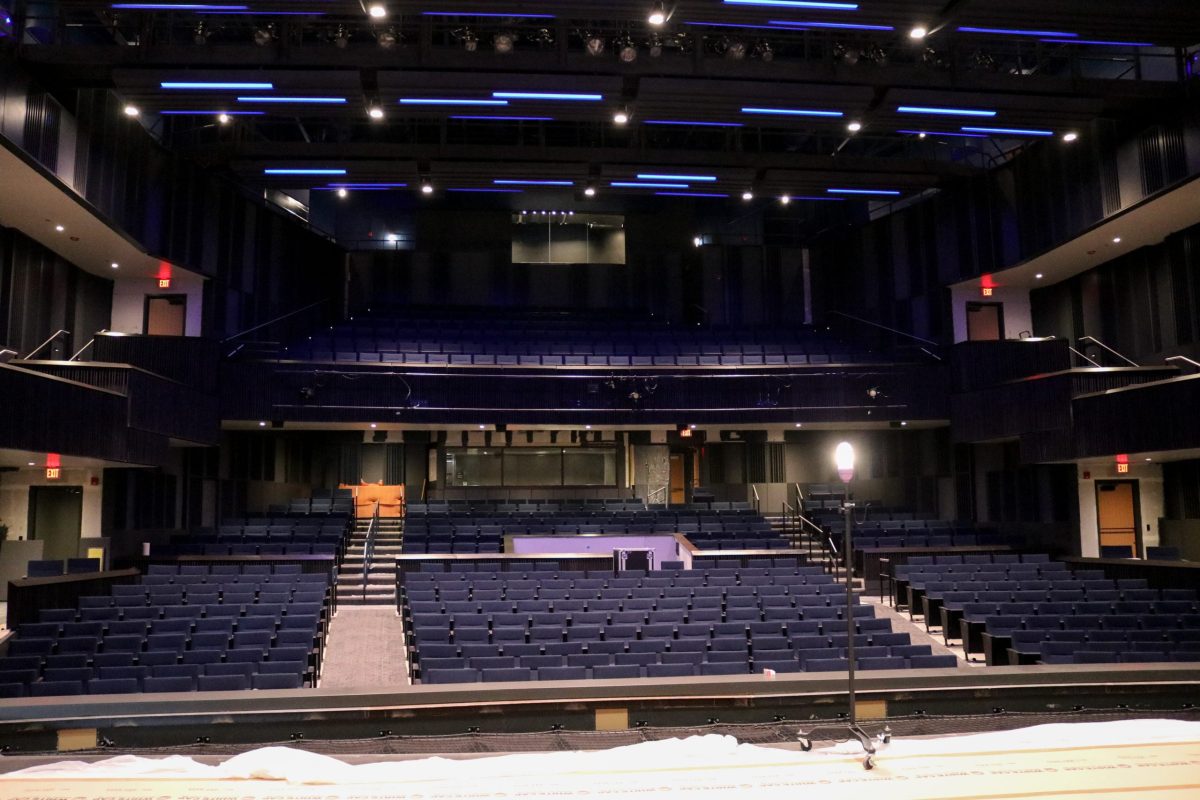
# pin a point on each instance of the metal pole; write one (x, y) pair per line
(849, 510)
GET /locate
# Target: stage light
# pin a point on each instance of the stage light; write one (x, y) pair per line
(918, 32)
(594, 45)
(469, 39)
(426, 187)
(747, 195)
(590, 191)
(854, 127)
(735, 50)
(655, 45)
(377, 11)
(341, 38)
(264, 36)
(387, 39)
(626, 50)
(131, 111)
(503, 43)
(200, 34)
(1070, 136)
(223, 118)
(621, 117)
(785, 200)
(658, 14)
(764, 51)
(342, 193)
(375, 112)
(697, 241)
(921, 135)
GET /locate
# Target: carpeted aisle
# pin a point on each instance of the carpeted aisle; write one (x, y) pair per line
(365, 649)
(1132, 759)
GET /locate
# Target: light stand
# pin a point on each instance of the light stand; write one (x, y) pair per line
(844, 457)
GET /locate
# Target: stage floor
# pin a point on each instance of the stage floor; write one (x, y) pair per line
(1129, 759)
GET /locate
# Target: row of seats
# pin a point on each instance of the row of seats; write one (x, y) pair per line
(52, 568)
(548, 360)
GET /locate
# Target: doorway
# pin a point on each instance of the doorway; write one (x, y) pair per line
(55, 519)
(985, 322)
(678, 479)
(166, 315)
(1117, 518)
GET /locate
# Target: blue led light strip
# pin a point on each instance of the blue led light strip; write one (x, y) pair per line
(690, 194)
(449, 101)
(851, 26)
(791, 112)
(295, 100)
(885, 192)
(944, 133)
(822, 4)
(569, 96)
(500, 118)
(532, 183)
(651, 176)
(216, 85)
(1011, 131)
(304, 171)
(636, 185)
(687, 122)
(946, 112)
(1019, 32)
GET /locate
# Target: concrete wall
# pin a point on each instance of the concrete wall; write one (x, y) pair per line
(651, 468)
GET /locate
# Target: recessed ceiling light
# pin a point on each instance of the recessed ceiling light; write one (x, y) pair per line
(481, 427)
(621, 117)
(115, 265)
(342, 193)
(697, 241)
(918, 32)
(426, 187)
(1038, 276)
(590, 191)
(59, 228)
(373, 425)
(1149, 459)
(262, 424)
(375, 112)
(1116, 240)
(587, 427)
(747, 195)
(131, 111)
(223, 118)
(1070, 136)
(921, 135)
(798, 424)
(691, 427)
(903, 423)
(658, 14)
(33, 463)
(854, 127)
(377, 11)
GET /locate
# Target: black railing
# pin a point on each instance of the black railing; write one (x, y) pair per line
(369, 548)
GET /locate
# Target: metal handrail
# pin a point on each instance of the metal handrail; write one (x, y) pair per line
(662, 490)
(369, 548)
(1102, 345)
(757, 499)
(53, 336)
(886, 328)
(272, 321)
(1081, 355)
(1195, 364)
(91, 342)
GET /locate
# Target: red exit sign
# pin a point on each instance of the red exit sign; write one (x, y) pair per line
(1122, 469)
(53, 473)
(986, 291)
(164, 283)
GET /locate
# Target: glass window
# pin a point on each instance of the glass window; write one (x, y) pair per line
(474, 467)
(590, 467)
(530, 467)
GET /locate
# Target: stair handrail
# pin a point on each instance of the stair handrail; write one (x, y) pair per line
(1105, 347)
(91, 342)
(280, 318)
(1195, 364)
(662, 490)
(1081, 355)
(369, 548)
(757, 499)
(38, 349)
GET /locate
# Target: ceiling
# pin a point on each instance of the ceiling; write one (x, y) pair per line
(690, 88)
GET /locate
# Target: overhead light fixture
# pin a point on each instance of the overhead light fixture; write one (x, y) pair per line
(918, 32)
(1010, 131)
(735, 50)
(59, 228)
(263, 36)
(946, 112)
(217, 85)
(294, 100)
(594, 45)
(747, 195)
(658, 14)
(377, 11)
(791, 112)
(697, 241)
(341, 37)
(262, 424)
(469, 39)
(303, 171)
(763, 51)
(374, 425)
(131, 111)
(375, 112)
(115, 265)
(854, 127)
(1116, 240)
(503, 42)
(621, 117)
(342, 192)
(785, 199)
(1038, 276)
(590, 191)
(200, 34)
(1070, 136)
(921, 135)
(662, 176)
(655, 45)
(569, 96)
(426, 187)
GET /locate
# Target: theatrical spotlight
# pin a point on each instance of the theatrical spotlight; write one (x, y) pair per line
(593, 44)
(341, 37)
(984, 61)
(200, 34)
(544, 38)
(626, 50)
(875, 54)
(735, 50)
(387, 38)
(503, 42)
(656, 46)
(468, 38)
(764, 51)
(264, 35)
(658, 14)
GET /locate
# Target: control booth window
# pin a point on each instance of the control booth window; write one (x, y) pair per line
(565, 237)
(529, 466)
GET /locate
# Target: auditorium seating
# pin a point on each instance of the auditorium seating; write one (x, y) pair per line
(481, 527)
(1035, 610)
(485, 624)
(179, 628)
(539, 342)
(322, 533)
